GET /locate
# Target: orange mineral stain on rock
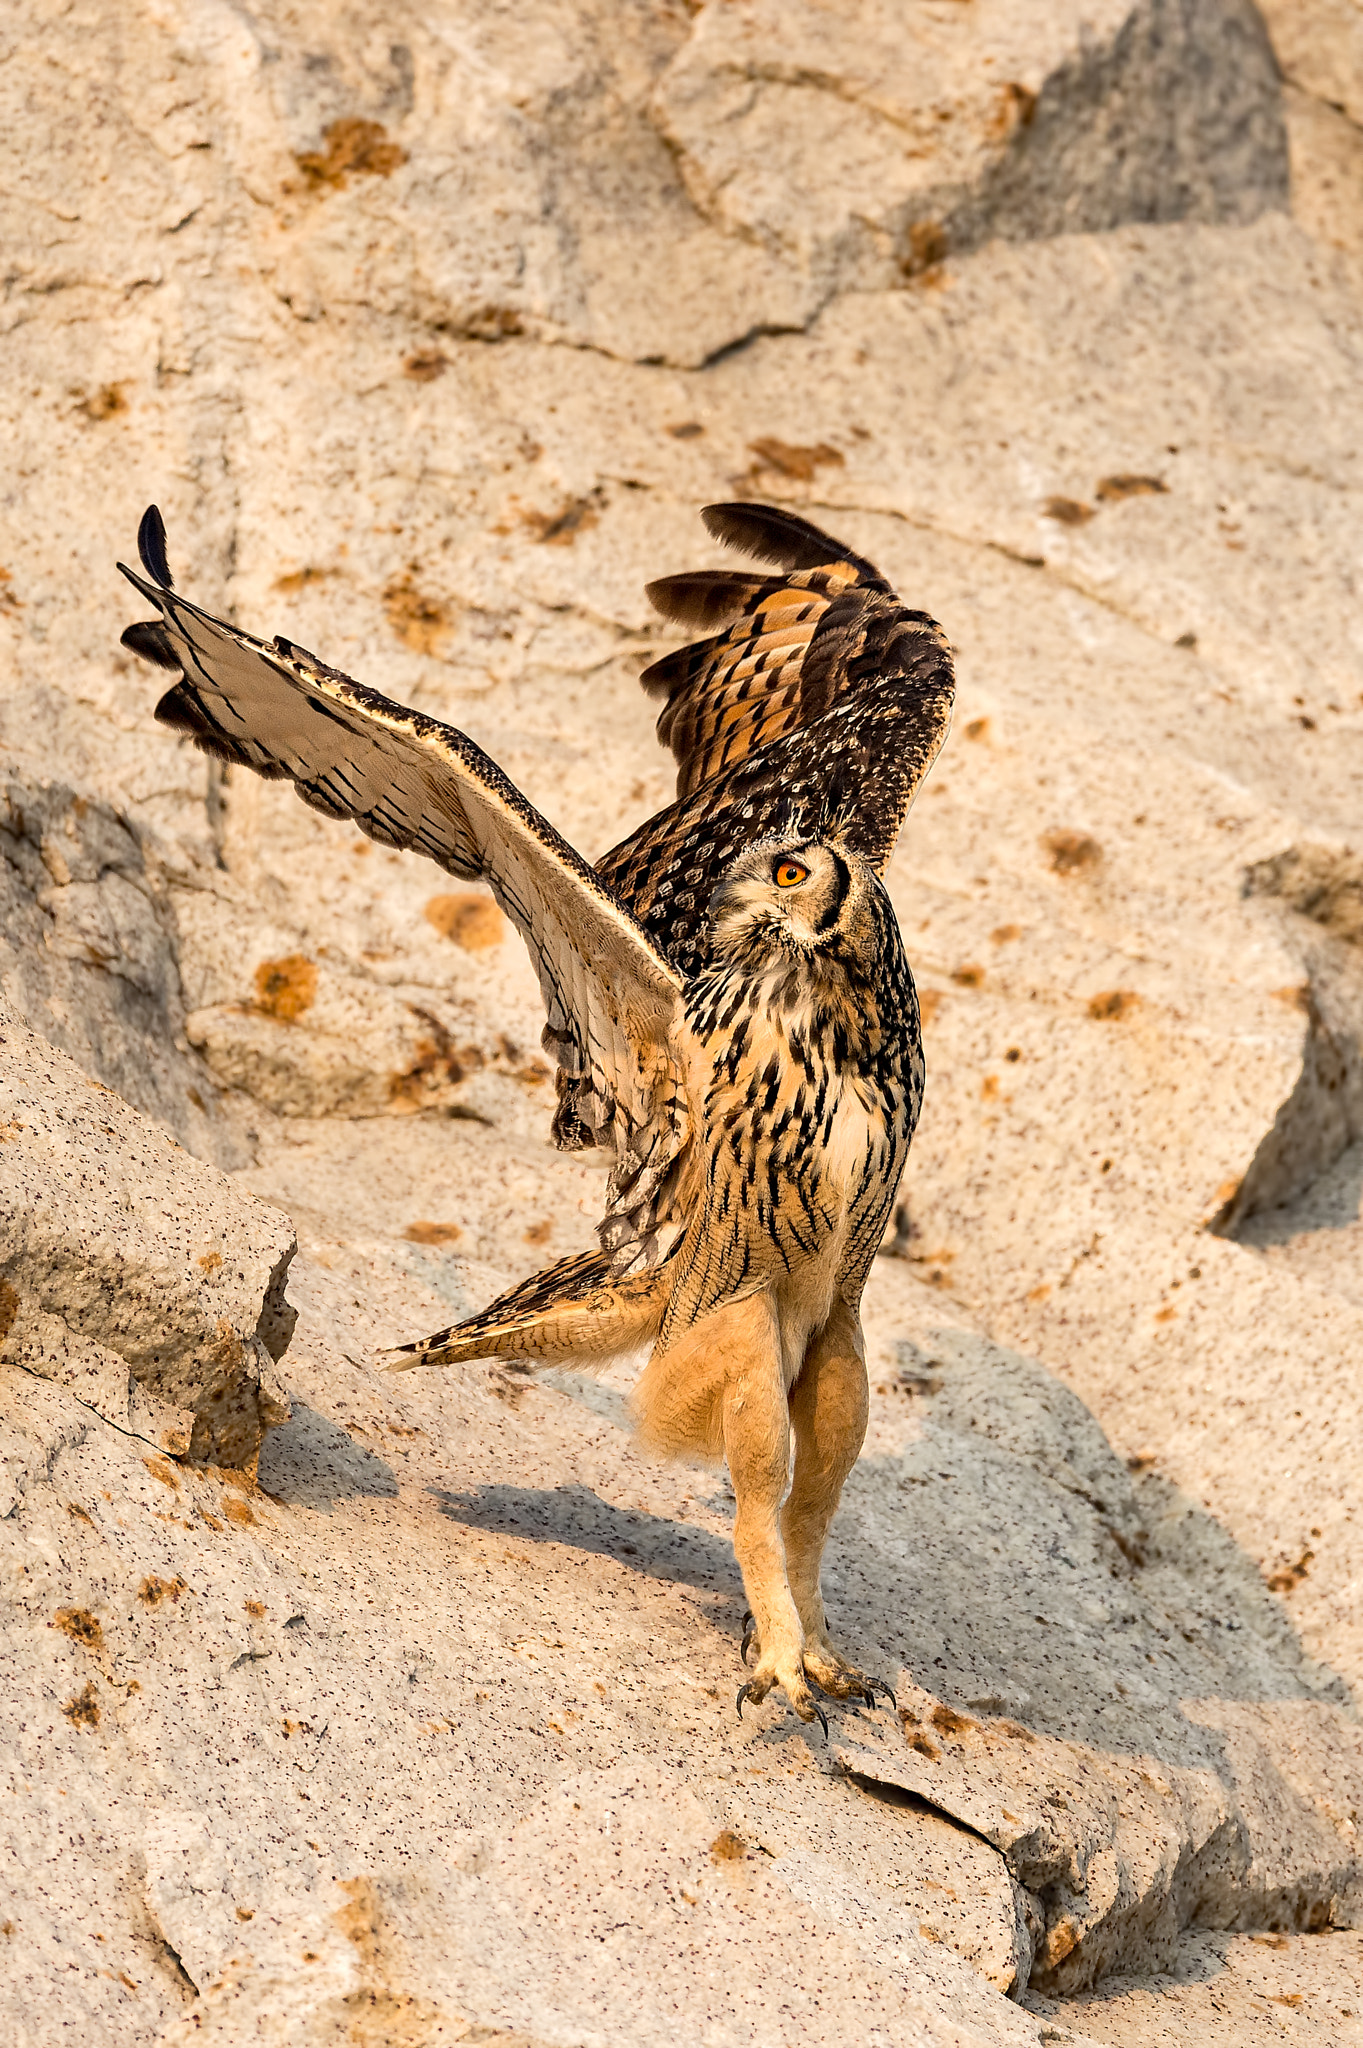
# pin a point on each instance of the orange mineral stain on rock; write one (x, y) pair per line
(83, 1710)
(353, 148)
(286, 988)
(433, 1233)
(1071, 853)
(82, 1626)
(473, 922)
(1113, 1005)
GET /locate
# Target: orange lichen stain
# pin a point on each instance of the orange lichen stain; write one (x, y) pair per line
(9, 601)
(1298, 997)
(74, 1508)
(83, 1710)
(1166, 1314)
(560, 529)
(1062, 1939)
(1290, 1576)
(1014, 108)
(80, 1625)
(919, 1739)
(354, 148)
(929, 1003)
(154, 1590)
(685, 430)
(1067, 511)
(210, 1261)
(1004, 934)
(425, 365)
(420, 622)
(792, 459)
(166, 1473)
(1112, 1005)
(728, 1847)
(473, 922)
(1071, 852)
(927, 250)
(211, 1520)
(541, 1232)
(1113, 489)
(977, 729)
(9, 1307)
(969, 976)
(245, 1913)
(286, 988)
(358, 1920)
(104, 404)
(989, 1088)
(299, 579)
(1041, 1293)
(433, 1233)
(255, 1608)
(949, 1721)
(239, 1511)
(1018, 1733)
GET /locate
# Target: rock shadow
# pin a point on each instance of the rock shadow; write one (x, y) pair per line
(677, 1553)
(1332, 1201)
(312, 1462)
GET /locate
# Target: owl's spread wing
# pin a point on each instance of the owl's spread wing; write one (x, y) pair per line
(409, 781)
(818, 709)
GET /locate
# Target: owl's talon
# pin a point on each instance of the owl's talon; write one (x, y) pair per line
(743, 1693)
(749, 1636)
(822, 1717)
(875, 1685)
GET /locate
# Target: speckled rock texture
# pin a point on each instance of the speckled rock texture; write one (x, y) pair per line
(351, 1709)
(138, 1277)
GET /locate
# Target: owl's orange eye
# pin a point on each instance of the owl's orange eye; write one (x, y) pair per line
(789, 872)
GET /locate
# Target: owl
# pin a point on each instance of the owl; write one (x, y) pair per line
(728, 1002)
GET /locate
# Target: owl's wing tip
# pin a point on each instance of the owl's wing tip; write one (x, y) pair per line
(151, 547)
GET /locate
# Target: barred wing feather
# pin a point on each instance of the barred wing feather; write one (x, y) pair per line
(409, 781)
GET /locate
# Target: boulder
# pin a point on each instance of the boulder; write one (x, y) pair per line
(131, 1273)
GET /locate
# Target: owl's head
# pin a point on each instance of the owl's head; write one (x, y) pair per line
(793, 896)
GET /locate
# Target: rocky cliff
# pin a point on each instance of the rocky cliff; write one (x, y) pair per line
(352, 1709)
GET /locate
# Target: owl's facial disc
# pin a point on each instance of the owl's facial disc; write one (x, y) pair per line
(786, 896)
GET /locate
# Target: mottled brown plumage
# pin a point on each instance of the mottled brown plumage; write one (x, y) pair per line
(727, 995)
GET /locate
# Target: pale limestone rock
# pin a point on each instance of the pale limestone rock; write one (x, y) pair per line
(89, 955)
(389, 1707)
(132, 1274)
(864, 143)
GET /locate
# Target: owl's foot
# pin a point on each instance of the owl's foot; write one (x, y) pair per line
(840, 1680)
(792, 1684)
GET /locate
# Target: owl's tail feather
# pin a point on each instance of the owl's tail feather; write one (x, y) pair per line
(572, 1312)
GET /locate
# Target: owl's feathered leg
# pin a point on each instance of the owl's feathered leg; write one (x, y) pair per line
(572, 1312)
(829, 1404)
(713, 1389)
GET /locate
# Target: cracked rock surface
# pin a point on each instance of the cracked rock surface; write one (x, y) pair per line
(356, 1709)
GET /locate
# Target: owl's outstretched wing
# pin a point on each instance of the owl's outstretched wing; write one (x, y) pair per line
(819, 707)
(409, 781)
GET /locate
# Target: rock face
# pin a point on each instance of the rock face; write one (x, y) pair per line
(352, 1709)
(130, 1273)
